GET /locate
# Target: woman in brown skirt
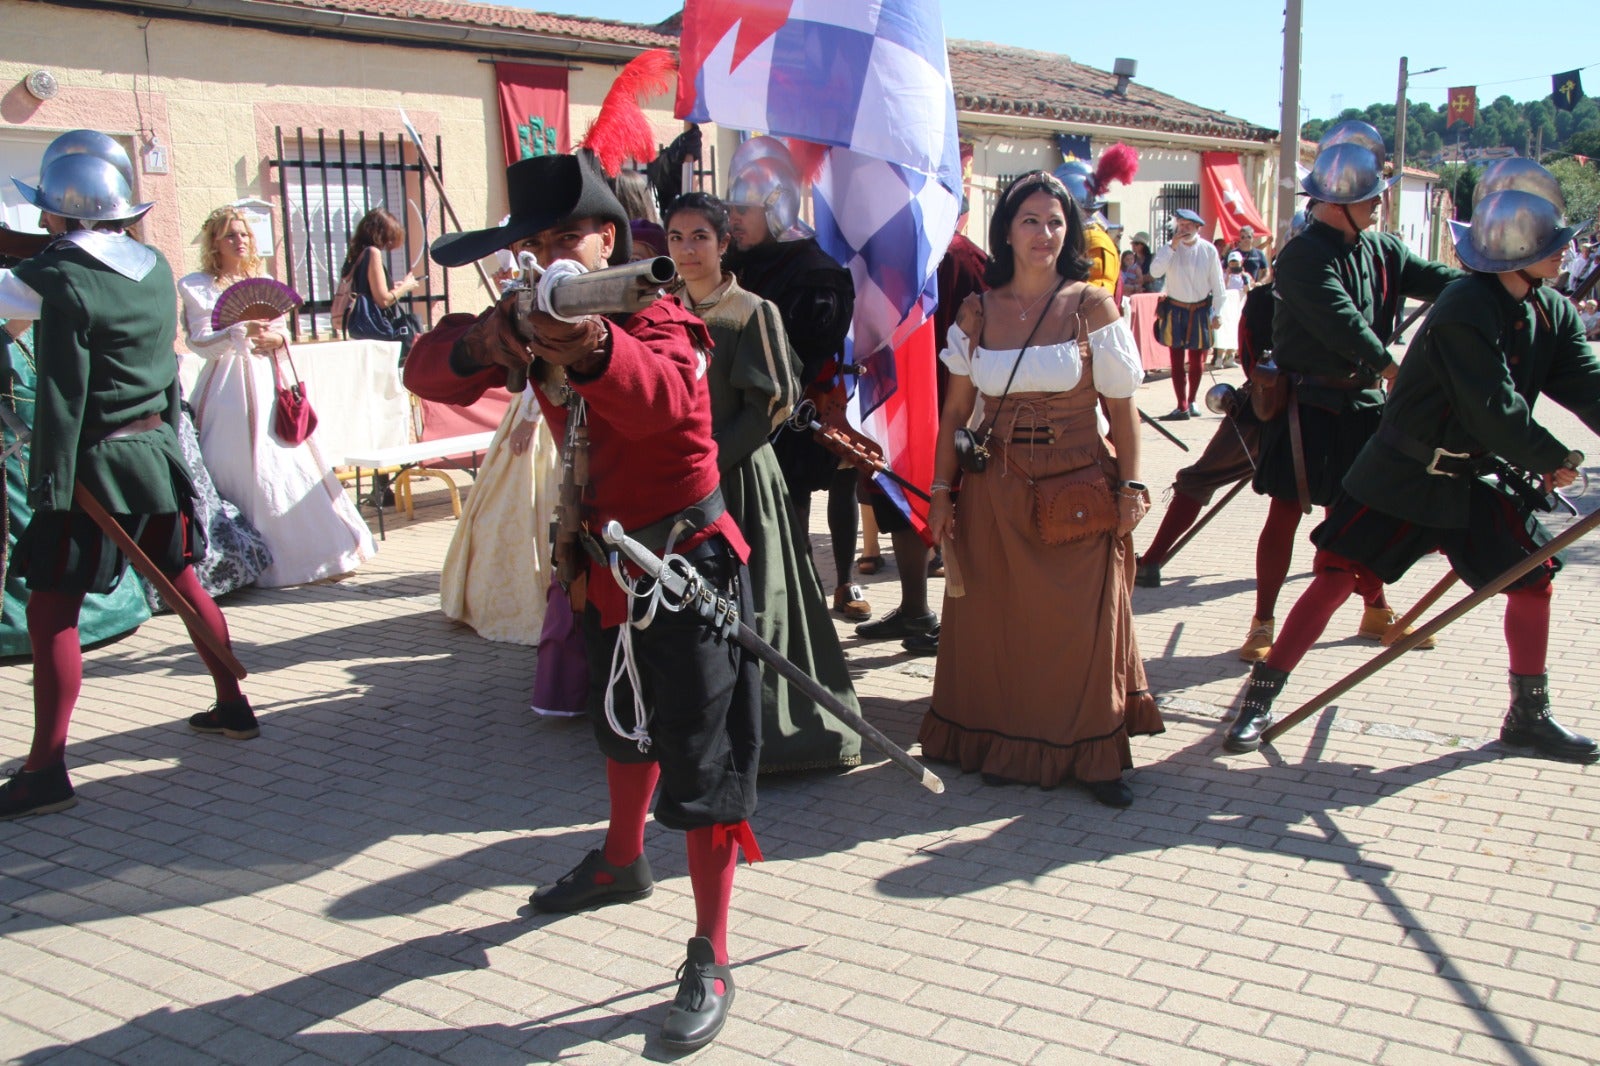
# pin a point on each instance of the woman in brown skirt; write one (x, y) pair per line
(1039, 678)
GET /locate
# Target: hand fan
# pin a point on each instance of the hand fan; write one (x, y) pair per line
(258, 299)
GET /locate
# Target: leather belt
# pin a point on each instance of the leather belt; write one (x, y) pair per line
(137, 426)
(1195, 306)
(1323, 381)
(1436, 461)
(696, 516)
(1297, 454)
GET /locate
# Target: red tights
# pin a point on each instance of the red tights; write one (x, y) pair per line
(1186, 385)
(1274, 549)
(713, 850)
(1181, 514)
(58, 662)
(1527, 619)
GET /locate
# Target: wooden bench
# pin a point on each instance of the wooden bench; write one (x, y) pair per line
(403, 462)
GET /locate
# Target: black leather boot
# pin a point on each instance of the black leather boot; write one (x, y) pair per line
(1255, 713)
(1528, 723)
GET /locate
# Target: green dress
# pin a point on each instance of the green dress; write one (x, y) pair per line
(103, 616)
(753, 377)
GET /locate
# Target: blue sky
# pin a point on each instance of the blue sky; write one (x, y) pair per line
(1229, 55)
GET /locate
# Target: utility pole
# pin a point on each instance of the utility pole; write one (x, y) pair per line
(1399, 149)
(1289, 119)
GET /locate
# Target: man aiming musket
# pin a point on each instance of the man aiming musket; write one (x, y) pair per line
(1462, 407)
(671, 705)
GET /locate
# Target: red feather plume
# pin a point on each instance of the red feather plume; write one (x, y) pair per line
(621, 132)
(1117, 163)
(808, 158)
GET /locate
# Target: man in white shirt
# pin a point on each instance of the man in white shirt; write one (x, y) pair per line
(1191, 305)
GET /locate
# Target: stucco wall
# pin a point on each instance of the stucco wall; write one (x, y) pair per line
(214, 95)
(998, 153)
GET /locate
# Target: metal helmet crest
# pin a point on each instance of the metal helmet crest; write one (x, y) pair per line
(89, 142)
(1522, 173)
(1345, 173)
(1354, 131)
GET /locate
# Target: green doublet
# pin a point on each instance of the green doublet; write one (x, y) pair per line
(105, 358)
(1337, 307)
(102, 616)
(1468, 385)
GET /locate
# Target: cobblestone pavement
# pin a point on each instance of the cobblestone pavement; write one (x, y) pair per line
(1388, 885)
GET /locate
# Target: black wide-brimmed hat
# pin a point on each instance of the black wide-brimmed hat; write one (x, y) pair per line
(544, 191)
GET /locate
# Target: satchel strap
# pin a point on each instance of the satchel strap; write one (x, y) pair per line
(277, 369)
(1001, 406)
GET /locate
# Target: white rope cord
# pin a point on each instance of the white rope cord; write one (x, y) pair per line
(622, 662)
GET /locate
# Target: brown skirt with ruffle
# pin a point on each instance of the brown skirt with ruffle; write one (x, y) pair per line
(1039, 678)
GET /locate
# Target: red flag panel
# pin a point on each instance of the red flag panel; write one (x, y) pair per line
(533, 110)
(1463, 105)
(1225, 201)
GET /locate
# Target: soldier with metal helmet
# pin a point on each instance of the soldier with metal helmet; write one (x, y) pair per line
(774, 255)
(1089, 185)
(106, 318)
(1339, 286)
(1462, 407)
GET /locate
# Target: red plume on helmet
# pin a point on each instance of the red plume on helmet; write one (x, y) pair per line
(1117, 163)
(620, 131)
(808, 157)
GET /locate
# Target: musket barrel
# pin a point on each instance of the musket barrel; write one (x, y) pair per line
(615, 290)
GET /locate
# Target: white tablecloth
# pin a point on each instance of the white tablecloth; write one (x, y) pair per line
(354, 387)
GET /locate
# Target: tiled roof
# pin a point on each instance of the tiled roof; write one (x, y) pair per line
(576, 27)
(998, 79)
(988, 78)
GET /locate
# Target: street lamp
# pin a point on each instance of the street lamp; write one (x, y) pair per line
(1400, 140)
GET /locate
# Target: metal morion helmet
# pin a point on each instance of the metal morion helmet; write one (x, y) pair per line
(83, 187)
(1354, 131)
(1345, 173)
(1522, 173)
(1511, 230)
(1078, 177)
(89, 142)
(762, 174)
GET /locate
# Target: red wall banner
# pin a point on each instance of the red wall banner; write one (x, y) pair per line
(1225, 201)
(533, 110)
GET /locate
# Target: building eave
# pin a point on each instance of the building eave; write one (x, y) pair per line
(1150, 134)
(359, 26)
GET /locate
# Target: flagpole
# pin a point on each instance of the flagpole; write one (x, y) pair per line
(1399, 150)
(1289, 119)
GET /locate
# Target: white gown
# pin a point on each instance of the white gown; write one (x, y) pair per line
(288, 492)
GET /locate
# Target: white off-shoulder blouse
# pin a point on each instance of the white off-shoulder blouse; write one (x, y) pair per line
(1114, 364)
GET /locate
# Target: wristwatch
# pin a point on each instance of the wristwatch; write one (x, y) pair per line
(1573, 461)
(1139, 486)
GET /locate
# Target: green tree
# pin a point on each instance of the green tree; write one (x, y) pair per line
(1585, 143)
(1580, 185)
(1502, 122)
(1460, 179)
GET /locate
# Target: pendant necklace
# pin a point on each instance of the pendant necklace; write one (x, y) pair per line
(1023, 317)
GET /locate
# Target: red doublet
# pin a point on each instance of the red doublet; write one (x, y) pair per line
(651, 453)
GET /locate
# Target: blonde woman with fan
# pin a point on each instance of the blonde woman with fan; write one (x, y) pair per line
(287, 491)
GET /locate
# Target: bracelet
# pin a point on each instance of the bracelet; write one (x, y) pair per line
(939, 485)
